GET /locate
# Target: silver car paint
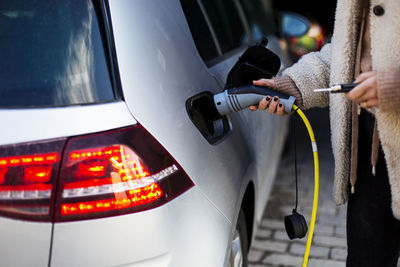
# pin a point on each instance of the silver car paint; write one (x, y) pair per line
(24, 243)
(27, 125)
(159, 72)
(187, 231)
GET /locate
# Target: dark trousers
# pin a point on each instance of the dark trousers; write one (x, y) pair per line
(373, 234)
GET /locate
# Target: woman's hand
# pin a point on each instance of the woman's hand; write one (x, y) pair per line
(269, 102)
(366, 93)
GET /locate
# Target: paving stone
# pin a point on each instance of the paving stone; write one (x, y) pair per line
(340, 231)
(272, 224)
(324, 210)
(342, 211)
(330, 241)
(325, 263)
(338, 254)
(285, 260)
(255, 255)
(281, 235)
(268, 245)
(331, 220)
(286, 209)
(315, 251)
(263, 233)
(323, 229)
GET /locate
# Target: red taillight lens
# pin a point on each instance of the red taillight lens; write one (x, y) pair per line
(90, 176)
(116, 172)
(101, 171)
(27, 176)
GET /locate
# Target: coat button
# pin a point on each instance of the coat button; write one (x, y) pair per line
(378, 10)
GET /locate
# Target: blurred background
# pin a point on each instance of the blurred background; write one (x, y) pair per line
(320, 13)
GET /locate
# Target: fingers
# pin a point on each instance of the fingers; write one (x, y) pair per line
(279, 110)
(253, 108)
(369, 103)
(363, 76)
(265, 82)
(273, 105)
(366, 92)
(372, 103)
(264, 103)
(368, 96)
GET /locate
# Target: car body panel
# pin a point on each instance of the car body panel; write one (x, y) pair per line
(24, 243)
(186, 228)
(29, 125)
(156, 86)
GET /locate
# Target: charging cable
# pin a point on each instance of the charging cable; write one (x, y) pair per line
(316, 183)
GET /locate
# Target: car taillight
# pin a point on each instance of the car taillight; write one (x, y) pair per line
(27, 179)
(91, 176)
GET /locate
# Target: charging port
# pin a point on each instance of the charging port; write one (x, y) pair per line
(205, 117)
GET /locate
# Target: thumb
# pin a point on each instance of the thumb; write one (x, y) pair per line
(265, 82)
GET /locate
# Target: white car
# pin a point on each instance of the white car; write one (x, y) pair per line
(100, 161)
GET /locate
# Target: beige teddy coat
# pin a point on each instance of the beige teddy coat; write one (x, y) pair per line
(334, 64)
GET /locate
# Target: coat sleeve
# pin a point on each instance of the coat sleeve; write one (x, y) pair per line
(388, 81)
(310, 72)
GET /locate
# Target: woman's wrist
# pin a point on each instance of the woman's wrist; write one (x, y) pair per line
(388, 82)
(286, 85)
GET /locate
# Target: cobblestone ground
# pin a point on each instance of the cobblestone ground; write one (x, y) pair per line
(272, 247)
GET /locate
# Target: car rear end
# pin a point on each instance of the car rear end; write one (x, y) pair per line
(82, 183)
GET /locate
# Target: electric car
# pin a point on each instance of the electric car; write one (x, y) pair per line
(110, 152)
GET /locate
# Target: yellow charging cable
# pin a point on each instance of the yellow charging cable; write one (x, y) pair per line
(316, 183)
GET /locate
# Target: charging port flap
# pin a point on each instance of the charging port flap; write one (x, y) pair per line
(202, 112)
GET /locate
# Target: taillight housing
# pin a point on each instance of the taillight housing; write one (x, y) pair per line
(27, 179)
(91, 176)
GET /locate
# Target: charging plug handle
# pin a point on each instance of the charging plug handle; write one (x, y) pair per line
(238, 98)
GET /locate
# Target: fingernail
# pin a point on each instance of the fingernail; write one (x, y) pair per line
(267, 98)
(280, 105)
(275, 99)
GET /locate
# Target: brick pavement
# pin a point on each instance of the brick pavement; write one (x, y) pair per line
(272, 247)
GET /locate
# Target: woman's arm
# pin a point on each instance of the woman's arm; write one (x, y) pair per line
(310, 72)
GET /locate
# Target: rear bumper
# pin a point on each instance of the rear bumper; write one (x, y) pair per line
(188, 231)
(24, 243)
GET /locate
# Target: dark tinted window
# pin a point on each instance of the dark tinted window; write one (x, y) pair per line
(259, 17)
(199, 29)
(226, 23)
(51, 54)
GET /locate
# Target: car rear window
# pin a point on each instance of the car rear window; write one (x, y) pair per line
(52, 54)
